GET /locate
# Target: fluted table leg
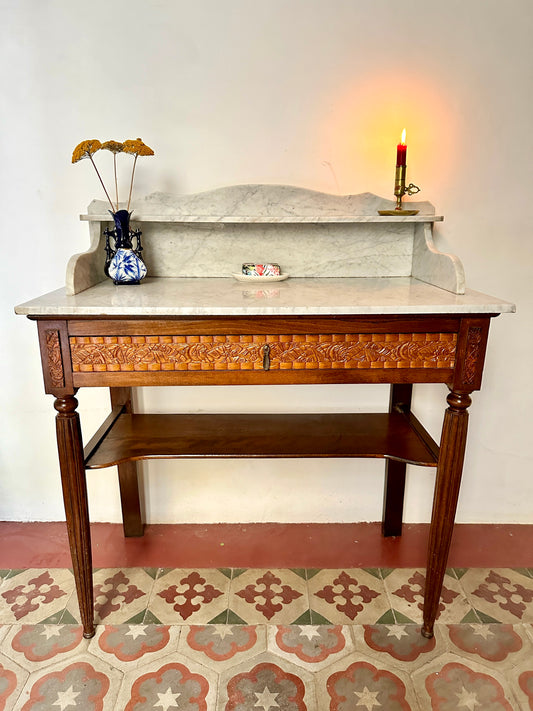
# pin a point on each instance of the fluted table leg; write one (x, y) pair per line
(449, 471)
(70, 448)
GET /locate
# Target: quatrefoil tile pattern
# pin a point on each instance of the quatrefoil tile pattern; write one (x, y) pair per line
(237, 639)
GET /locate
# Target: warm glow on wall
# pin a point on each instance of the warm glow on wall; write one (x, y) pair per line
(367, 124)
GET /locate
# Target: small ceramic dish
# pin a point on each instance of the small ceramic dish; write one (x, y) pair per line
(262, 279)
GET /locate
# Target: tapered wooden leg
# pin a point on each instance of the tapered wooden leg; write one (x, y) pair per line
(393, 498)
(128, 477)
(70, 449)
(449, 471)
(400, 400)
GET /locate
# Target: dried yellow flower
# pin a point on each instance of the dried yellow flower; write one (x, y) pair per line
(113, 146)
(137, 148)
(85, 149)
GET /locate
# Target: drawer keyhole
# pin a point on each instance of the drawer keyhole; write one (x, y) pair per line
(266, 357)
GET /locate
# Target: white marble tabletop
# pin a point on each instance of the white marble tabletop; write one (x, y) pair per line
(208, 296)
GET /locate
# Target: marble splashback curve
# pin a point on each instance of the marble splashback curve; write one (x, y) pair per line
(309, 233)
(257, 201)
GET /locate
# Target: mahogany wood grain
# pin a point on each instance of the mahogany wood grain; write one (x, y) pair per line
(102, 432)
(471, 348)
(55, 356)
(449, 472)
(128, 475)
(106, 326)
(261, 377)
(397, 436)
(70, 450)
(265, 436)
(425, 437)
(400, 402)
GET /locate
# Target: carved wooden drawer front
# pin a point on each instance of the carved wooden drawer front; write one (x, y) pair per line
(99, 354)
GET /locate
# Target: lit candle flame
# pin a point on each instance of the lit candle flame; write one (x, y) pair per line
(403, 137)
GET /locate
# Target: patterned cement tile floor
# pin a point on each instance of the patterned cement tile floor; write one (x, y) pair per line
(266, 640)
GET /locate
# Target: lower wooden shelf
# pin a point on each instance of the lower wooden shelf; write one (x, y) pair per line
(125, 437)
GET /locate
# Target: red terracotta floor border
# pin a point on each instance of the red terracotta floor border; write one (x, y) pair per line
(313, 545)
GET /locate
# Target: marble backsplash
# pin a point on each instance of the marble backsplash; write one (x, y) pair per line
(310, 234)
(310, 250)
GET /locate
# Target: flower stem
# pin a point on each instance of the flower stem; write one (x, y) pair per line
(102, 182)
(115, 171)
(131, 184)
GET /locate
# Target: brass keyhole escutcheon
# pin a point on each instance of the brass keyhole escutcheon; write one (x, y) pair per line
(266, 357)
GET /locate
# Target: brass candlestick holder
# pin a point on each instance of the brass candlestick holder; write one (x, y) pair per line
(401, 189)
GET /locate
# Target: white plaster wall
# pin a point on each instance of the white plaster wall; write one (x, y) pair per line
(305, 92)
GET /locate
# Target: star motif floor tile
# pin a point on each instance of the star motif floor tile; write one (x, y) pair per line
(265, 683)
(124, 646)
(171, 683)
(35, 646)
(449, 682)
(12, 680)
(310, 646)
(225, 640)
(83, 682)
(222, 646)
(354, 682)
(400, 645)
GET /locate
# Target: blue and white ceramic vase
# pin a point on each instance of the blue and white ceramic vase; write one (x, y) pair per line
(124, 263)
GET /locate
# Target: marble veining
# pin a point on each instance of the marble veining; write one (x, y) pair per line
(257, 201)
(309, 233)
(434, 267)
(309, 296)
(265, 219)
(315, 250)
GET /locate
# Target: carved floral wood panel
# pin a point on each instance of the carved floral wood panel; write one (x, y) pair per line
(245, 352)
(473, 346)
(55, 362)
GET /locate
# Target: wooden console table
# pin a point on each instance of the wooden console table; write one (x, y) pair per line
(306, 330)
